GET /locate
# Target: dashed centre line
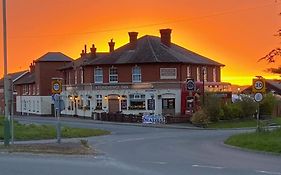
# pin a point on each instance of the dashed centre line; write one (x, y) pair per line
(207, 166)
(269, 172)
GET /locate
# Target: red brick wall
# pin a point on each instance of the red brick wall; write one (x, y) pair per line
(150, 73)
(44, 72)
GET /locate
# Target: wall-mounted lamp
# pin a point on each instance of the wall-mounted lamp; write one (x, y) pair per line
(105, 97)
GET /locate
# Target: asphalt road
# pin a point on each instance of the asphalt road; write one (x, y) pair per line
(147, 151)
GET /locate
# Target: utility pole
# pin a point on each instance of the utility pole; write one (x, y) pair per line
(6, 81)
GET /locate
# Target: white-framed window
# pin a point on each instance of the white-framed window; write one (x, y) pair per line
(205, 73)
(188, 72)
(98, 75)
(198, 74)
(137, 102)
(98, 102)
(113, 75)
(136, 74)
(75, 77)
(69, 77)
(37, 91)
(168, 73)
(81, 75)
(214, 75)
(34, 89)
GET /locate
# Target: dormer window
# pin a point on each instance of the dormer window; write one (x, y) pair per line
(113, 75)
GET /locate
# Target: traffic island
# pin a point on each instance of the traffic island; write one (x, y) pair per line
(67, 148)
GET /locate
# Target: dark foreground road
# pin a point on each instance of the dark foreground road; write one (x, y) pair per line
(141, 150)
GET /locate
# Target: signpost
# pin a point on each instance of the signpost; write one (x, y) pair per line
(56, 90)
(258, 88)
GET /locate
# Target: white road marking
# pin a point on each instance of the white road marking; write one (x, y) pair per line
(129, 140)
(269, 172)
(207, 166)
(160, 163)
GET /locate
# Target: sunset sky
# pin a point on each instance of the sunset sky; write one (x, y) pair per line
(233, 32)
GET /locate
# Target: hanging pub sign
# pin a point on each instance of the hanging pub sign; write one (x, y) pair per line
(190, 84)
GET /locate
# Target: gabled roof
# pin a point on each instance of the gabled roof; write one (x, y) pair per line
(270, 85)
(28, 78)
(54, 57)
(82, 61)
(14, 76)
(149, 49)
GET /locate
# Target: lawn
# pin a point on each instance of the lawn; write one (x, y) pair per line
(269, 141)
(38, 132)
(240, 123)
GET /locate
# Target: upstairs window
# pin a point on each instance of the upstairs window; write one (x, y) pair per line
(188, 72)
(81, 75)
(69, 78)
(113, 75)
(214, 75)
(75, 77)
(198, 73)
(136, 74)
(205, 73)
(98, 75)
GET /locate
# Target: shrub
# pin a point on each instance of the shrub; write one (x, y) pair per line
(213, 107)
(267, 104)
(200, 118)
(231, 111)
(248, 106)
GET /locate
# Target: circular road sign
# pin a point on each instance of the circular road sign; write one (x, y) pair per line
(258, 97)
(56, 86)
(190, 85)
(259, 85)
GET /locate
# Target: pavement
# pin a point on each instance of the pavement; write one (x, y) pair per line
(132, 149)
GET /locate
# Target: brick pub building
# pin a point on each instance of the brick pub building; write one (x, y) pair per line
(147, 75)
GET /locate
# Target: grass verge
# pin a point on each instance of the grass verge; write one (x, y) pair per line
(269, 141)
(67, 148)
(39, 132)
(240, 123)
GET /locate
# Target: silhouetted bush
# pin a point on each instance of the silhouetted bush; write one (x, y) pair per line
(200, 118)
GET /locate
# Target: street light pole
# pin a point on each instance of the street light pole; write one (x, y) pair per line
(6, 83)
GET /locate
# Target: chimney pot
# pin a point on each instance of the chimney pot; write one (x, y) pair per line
(93, 51)
(166, 36)
(85, 48)
(133, 39)
(111, 45)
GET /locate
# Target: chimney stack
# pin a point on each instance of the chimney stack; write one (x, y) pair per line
(166, 36)
(111, 45)
(32, 67)
(85, 48)
(84, 52)
(93, 51)
(133, 39)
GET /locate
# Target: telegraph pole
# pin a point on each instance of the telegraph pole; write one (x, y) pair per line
(6, 81)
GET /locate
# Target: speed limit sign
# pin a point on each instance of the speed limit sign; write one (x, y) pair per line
(56, 86)
(259, 85)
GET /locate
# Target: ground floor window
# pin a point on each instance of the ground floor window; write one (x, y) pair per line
(137, 102)
(99, 102)
(124, 104)
(168, 103)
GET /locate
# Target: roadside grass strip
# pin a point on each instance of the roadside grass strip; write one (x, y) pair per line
(41, 132)
(240, 123)
(268, 141)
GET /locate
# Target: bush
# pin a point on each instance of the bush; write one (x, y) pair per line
(213, 107)
(267, 104)
(200, 118)
(231, 111)
(248, 107)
